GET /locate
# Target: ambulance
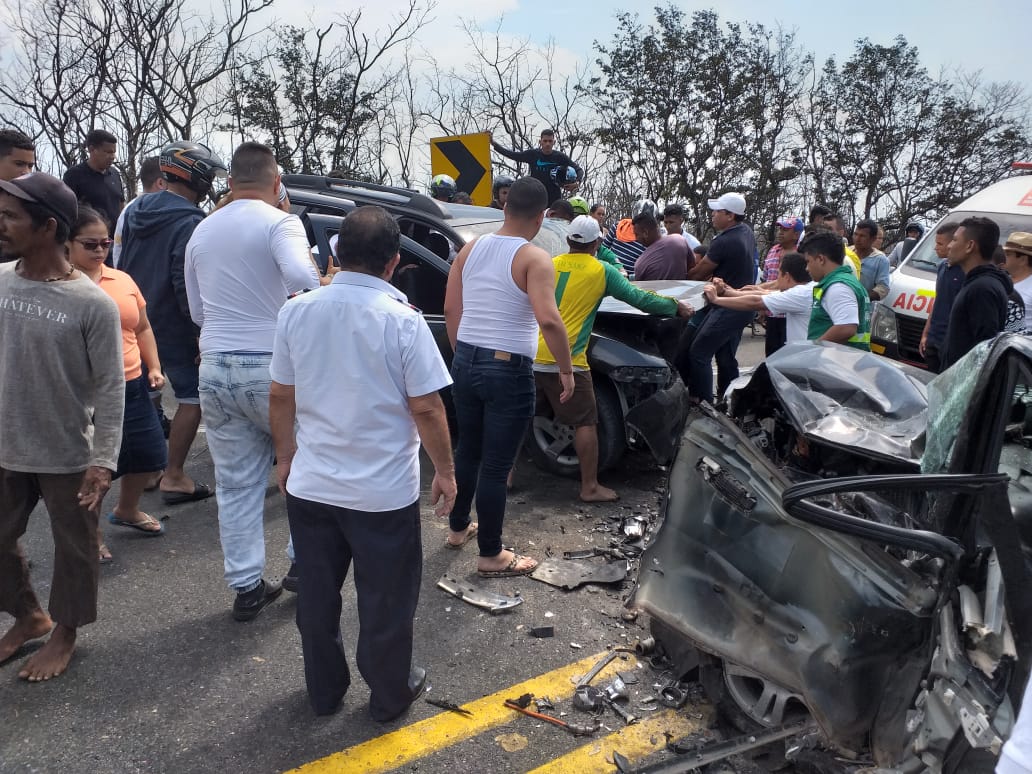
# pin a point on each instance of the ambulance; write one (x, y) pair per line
(898, 321)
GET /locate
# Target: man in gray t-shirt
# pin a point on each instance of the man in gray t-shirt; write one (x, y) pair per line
(59, 336)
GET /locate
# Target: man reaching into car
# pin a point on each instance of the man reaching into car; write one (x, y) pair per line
(838, 312)
(791, 297)
(581, 283)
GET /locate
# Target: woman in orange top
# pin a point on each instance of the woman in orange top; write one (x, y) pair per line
(143, 453)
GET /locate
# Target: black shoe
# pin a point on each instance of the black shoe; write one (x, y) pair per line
(416, 685)
(249, 604)
(289, 581)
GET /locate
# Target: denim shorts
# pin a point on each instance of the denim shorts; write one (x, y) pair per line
(184, 380)
(143, 443)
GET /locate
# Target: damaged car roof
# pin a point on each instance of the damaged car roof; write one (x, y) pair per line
(845, 398)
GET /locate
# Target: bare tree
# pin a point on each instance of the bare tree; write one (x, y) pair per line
(315, 94)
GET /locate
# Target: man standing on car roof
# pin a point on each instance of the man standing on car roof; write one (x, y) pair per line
(500, 290)
(730, 257)
(547, 165)
(839, 309)
(980, 309)
(582, 282)
(948, 281)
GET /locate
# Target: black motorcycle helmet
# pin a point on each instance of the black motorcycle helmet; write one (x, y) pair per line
(191, 164)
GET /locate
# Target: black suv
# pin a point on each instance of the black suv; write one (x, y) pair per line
(626, 353)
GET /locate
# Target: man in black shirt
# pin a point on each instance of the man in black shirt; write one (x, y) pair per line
(96, 181)
(980, 309)
(551, 167)
(731, 257)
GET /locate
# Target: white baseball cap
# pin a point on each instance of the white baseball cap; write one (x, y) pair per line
(584, 230)
(732, 202)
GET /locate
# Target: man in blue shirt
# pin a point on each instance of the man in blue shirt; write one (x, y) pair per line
(731, 257)
(948, 282)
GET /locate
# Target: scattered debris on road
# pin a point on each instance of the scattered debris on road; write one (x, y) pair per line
(467, 591)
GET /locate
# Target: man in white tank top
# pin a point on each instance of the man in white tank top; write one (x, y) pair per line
(501, 289)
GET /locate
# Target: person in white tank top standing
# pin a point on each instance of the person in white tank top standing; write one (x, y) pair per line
(501, 289)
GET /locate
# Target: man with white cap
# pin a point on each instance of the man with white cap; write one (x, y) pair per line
(581, 282)
(730, 258)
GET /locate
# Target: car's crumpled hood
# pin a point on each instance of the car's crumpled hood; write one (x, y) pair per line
(843, 397)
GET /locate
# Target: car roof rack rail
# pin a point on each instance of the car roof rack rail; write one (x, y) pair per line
(395, 195)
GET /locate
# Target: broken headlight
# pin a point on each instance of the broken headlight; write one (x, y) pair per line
(883, 324)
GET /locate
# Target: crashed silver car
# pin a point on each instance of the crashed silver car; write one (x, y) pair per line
(848, 546)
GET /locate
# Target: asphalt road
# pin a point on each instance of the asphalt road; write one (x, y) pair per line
(166, 681)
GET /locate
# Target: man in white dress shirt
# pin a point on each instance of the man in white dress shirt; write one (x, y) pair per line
(362, 400)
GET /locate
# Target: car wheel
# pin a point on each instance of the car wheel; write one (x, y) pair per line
(747, 700)
(551, 443)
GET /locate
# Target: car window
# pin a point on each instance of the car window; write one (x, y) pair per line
(923, 257)
(424, 284)
(1016, 454)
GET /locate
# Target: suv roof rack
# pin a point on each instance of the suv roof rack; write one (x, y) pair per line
(394, 195)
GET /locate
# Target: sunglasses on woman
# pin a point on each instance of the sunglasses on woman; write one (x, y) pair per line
(92, 244)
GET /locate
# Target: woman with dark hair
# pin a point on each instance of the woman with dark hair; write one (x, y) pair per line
(143, 453)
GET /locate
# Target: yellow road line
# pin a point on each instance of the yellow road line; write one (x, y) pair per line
(635, 742)
(420, 739)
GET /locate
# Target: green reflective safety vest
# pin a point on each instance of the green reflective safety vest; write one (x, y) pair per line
(820, 322)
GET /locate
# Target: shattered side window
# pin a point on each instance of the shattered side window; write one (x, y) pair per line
(1016, 454)
(949, 396)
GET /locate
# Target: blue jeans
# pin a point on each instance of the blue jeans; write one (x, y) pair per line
(234, 391)
(718, 336)
(494, 402)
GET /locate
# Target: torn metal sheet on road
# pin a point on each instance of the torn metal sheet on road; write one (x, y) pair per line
(467, 591)
(570, 573)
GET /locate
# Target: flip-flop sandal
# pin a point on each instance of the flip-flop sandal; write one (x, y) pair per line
(471, 532)
(509, 571)
(104, 555)
(200, 492)
(138, 525)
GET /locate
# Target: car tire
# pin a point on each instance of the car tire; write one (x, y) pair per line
(551, 444)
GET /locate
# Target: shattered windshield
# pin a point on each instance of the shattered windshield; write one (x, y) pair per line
(949, 396)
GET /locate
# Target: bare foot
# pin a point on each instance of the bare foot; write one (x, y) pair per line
(524, 564)
(28, 627)
(599, 494)
(104, 554)
(52, 659)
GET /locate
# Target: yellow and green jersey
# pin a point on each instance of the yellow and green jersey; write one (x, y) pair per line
(581, 282)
